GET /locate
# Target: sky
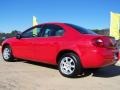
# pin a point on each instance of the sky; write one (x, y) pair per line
(91, 14)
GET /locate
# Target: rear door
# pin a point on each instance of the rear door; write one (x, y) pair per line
(48, 44)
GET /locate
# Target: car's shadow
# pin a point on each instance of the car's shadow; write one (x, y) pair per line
(110, 71)
(38, 64)
(106, 72)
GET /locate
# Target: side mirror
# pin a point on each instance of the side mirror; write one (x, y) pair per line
(18, 36)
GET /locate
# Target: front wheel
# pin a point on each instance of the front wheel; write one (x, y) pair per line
(69, 65)
(7, 54)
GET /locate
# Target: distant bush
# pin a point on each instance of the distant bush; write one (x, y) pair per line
(102, 31)
(4, 36)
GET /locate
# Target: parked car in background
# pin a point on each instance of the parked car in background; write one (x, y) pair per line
(69, 46)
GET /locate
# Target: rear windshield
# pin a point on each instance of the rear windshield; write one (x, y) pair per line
(80, 29)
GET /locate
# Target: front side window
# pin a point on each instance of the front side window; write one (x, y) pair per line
(52, 30)
(33, 32)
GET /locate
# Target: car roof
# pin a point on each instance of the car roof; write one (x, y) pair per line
(55, 23)
(51, 23)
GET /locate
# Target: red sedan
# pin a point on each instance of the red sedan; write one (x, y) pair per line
(69, 46)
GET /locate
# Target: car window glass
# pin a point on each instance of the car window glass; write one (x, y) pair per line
(53, 30)
(32, 33)
(47, 32)
(80, 29)
(59, 32)
(27, 34)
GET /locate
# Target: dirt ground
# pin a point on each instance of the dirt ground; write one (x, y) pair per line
(23, 75)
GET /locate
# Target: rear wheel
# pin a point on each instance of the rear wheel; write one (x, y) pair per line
(69, 65)
(7, 53)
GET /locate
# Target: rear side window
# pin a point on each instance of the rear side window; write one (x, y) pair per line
(81, 30)
(52, 30)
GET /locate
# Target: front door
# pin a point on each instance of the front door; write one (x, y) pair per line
(24, 47)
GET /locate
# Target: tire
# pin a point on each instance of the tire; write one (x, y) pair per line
(7, 54)
(69, 65)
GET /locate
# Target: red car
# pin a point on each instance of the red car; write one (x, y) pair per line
(69, 46)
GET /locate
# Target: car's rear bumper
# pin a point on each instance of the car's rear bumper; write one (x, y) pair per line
(98, 58)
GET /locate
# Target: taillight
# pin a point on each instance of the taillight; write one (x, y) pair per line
(105, 42)
(98, 42)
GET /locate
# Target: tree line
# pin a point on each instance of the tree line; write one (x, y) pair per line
(4, 36)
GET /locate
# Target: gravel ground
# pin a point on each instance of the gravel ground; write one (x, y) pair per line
(23, 75)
